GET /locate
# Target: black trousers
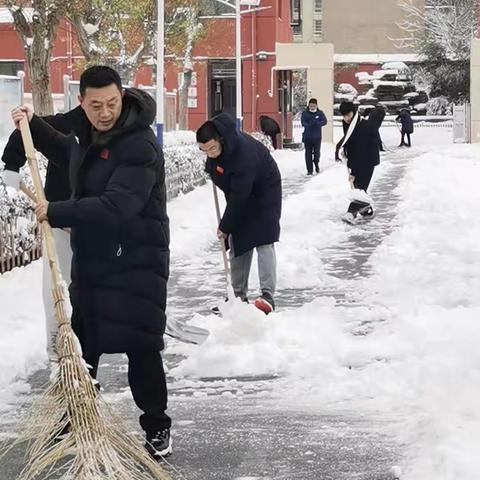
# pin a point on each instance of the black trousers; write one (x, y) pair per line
(312, 155)
(148, 385)
(409, 142)
(361, 182)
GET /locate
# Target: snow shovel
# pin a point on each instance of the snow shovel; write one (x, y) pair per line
(97, 446)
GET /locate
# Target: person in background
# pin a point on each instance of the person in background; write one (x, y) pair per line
(376, 117)
(360, 144)
(407, 127)
(270, 127)
(313, 120)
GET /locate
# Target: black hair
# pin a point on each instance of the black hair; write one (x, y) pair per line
(99, 76)
(207, 132)
(313, 100)
(347, 107)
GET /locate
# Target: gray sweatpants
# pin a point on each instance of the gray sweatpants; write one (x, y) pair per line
(267, 270)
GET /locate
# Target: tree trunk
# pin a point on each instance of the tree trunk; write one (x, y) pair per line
(39, 70)
(37, 36)
(183, 100)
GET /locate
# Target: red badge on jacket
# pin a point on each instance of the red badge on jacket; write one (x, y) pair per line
(220, 169)
(104, 154)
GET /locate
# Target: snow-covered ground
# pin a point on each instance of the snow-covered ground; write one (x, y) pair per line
(420, 359)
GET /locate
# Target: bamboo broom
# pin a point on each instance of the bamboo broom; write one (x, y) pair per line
(98, 446)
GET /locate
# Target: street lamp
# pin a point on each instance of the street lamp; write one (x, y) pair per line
(236, 4)
(160, 69)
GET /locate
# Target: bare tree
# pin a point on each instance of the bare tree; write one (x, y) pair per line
(36, 24)
(441, 32)
(121, 32)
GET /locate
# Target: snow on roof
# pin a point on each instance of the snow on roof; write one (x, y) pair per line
(382, 83)
(376, 57)
(379, 74)
(6, 16)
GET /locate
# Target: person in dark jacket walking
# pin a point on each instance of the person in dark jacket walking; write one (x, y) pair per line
(270, 127)
(57, 188)
(360, 145)
(407, 127)
(376, 117)
(120, 235)
(313, 120)
(249, 177)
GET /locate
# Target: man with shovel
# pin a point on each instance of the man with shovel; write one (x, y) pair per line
(120, 235)
(249, 177)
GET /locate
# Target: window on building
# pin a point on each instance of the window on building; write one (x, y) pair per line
(10, 68)
(318, 6)
(317, 27)
(296, 9)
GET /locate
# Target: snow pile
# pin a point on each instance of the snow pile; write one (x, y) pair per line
(176, 138)
(22, 330)
(345, 93)
(426, 273)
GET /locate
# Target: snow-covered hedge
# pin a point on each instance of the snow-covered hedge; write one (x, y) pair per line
(184, 170)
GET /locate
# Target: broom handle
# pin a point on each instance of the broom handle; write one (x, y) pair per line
(221, 240)
(39, 195)
(28, 192)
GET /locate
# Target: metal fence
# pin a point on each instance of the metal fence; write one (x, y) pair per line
(71, 89)
(11, 95)
(20, 242)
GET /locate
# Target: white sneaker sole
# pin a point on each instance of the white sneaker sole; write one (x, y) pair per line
(162, 453)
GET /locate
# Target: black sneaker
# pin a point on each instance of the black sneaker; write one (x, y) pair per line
(317, 169)
(159, 444)
(63, 433)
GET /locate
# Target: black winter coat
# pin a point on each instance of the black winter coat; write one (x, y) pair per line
(251, 181)
(376, 116)
(361, 148)
(406, 120)
(57, 185)
(313, 123)
(120, 231)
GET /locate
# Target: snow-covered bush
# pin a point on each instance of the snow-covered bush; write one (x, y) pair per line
(439, 106)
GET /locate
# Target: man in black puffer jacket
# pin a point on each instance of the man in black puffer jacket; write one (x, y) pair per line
(249, 177)
(120, 235)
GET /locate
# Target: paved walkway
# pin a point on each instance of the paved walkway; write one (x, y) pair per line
(239, 429)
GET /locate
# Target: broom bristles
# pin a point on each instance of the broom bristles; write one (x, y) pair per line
(97, 446)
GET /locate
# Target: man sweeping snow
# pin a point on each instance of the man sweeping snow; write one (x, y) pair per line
(120, 235)
(360, 144)
(249, 177)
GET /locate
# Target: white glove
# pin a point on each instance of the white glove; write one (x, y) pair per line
(11, 179)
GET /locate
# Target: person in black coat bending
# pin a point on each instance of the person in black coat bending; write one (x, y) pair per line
(119, 235)
(360, 144)
(313, 120)
(249, 177)
(270, 127)
(376, 117)
(407, 127)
